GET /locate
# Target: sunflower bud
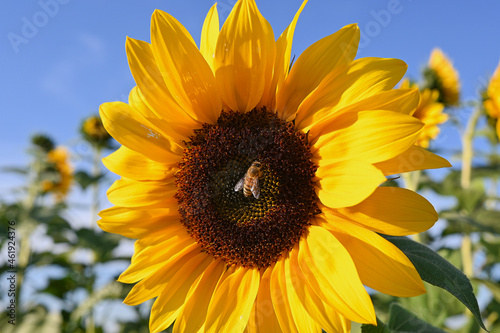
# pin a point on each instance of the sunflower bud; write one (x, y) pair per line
(94, 132)
(443, 77)
(43, 142)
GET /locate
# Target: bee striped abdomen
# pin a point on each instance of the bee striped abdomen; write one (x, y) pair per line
(250, 182)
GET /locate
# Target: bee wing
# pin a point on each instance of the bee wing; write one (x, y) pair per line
(239, 185)
(255, 188)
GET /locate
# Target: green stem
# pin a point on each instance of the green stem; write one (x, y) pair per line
(466, 250)
(90, 327)
(27, 226)
(96, 169)
(467, 149)
(465, 181)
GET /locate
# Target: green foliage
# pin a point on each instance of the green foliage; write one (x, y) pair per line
(84, 179)
(437, 271)
(400, 321)
(75, 286)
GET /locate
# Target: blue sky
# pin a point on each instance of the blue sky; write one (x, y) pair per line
(60, 59)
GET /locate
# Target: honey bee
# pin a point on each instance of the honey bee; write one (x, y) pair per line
(250, 182)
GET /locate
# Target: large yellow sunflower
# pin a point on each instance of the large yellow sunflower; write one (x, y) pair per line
(429, 111)
(492, 102)
(444, 78)
(294, 253)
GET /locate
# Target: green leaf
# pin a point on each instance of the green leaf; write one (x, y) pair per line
(470, 327)
(85, 180)
(492, 286)
(492, 252)
(460, 222)
(488, 218)
(439, 272)
(380, 328)
(21, 171)
(102, 244)
(401, 320)
(59, 287)
(433, 307)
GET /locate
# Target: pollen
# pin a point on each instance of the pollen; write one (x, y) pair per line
(240, 229)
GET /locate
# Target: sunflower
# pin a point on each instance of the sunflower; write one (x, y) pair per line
(292, 248)
(60, 173)
(442, 76)
(492, 101)
(94, 132)
(429, 111)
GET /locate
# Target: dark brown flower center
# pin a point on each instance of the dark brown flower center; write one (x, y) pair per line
(217, 190)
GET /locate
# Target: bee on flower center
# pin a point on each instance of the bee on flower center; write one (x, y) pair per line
(250, 182)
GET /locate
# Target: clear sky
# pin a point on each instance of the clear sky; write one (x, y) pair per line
(60, 59)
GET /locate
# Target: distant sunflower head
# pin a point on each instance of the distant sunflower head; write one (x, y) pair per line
(429, 111)
(492, 100)
(58, 175)
(253, 187)
(93, 131)
(440, 75)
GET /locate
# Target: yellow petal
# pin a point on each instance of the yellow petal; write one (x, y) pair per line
(392, 211)
(209, 35)
(129, 193)
(230, 314)
(316, 62)
(149, 258)
(136, 223)
(263, 318)
(160, 107)
(380, 264)
(374, 136)
(130, 164)
(346, 183)
(300, 315)
(281, 63)
(326, 316)
(153, 284)
(280, 300)
(133, 131)
(397, 100)
(186, 73)
(175, 132)
(170, 302)
(244, 57)
(347, 85)
(492, 103)
(193, 314)
(415, 158)
(331, 273)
